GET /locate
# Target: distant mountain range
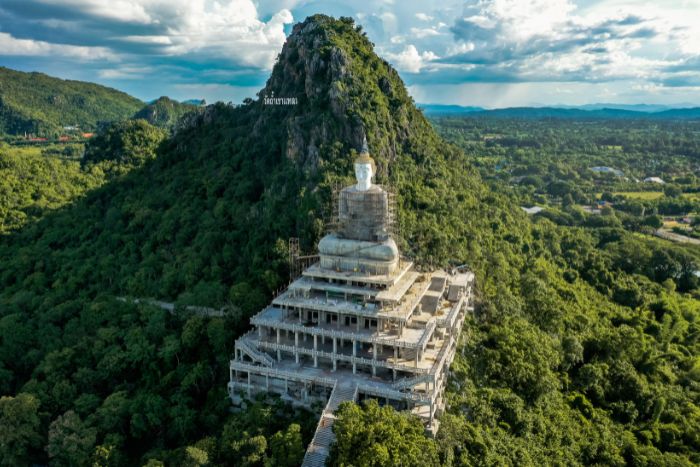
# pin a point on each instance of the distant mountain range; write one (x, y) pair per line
(590, 111)
(35, 103)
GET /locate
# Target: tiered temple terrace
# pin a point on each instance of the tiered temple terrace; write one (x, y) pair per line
(362, 322)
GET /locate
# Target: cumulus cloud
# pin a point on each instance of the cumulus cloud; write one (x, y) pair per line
(529, 40)
(231, 30)
(229, 46)
(410, 60)
(26, 47)
(420, 33)
(131, 11)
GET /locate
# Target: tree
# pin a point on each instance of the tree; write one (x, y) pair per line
(567, 200)
(71, 441)
(379, 436)
(522, 357)
(607, 211)
(19, 429)
(196, 457)
(653, 221)
(607, 197)
(286, 448)
(672, 190)
(559, 188)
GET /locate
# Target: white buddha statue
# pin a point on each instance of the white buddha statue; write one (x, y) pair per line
(362, 242)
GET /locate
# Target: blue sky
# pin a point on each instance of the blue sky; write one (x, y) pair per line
(490, 53)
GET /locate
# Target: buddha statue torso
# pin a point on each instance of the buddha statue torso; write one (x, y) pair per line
(362, 242)
(363, 215)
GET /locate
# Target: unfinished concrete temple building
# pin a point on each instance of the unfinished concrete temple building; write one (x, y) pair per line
(361, 322)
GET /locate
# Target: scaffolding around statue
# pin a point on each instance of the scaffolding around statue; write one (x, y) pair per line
(374, 207)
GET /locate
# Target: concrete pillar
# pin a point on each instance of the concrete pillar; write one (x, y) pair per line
(374, 370)
(296, 338)
(374, 350)
(279, 352)
(300, 320)
(354, 348)
(335, 351)
(315, 350)
(267, 382)
(260, 332)
(249, 384)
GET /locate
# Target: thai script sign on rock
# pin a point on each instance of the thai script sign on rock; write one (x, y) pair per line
(272, 100)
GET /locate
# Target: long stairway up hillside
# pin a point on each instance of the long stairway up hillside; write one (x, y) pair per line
(319, 448)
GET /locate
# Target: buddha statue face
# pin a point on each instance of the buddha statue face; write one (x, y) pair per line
(363, 174)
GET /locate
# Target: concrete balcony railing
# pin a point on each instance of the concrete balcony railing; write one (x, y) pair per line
(367, 389)
(448, 320)
(277, 373)
(342, 357)
(394, 341)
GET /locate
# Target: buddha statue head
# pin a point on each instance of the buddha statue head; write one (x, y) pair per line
(365, 168)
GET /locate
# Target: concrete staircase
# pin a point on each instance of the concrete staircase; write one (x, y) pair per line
(410, 382)
(319, 448)
(249, 348)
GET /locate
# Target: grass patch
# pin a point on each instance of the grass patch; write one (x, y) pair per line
(643, 195)
(691, 196)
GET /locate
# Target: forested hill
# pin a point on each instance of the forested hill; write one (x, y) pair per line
(42, 105)
(165, 112)
(568, 360)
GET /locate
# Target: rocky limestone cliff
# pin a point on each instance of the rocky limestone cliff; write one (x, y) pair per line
(330, 67)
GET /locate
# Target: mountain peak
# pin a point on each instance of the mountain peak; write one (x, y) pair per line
(343, 92)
